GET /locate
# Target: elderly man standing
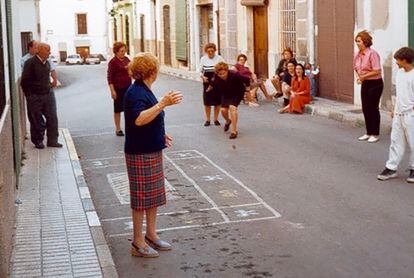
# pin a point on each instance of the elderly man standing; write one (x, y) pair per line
(40, 98)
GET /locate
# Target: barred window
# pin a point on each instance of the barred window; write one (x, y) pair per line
(287, 24)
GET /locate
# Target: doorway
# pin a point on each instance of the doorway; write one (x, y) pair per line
(127, 37)
(261, 47)
(206, 26)
(167, 35)
(83, 51)
(335, 49)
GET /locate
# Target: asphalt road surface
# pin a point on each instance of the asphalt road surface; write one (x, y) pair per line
(292, 196)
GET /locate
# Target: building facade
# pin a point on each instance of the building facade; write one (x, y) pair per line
(81, 29)
(14, 32)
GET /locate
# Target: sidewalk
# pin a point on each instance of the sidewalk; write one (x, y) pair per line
(58, 232)
(338, 111)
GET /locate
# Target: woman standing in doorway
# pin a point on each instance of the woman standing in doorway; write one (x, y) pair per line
(367, 67)
(118, 81)
(211, 97)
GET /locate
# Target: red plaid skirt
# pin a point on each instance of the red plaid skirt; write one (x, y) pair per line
(146, 180)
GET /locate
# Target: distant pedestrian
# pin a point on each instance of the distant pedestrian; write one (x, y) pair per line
(402, 133)
(211, 98)
(231, 86)
(367, 66)
(144, 141)
(40, 98)
(32, 48)
(300, 92)
(118, 81)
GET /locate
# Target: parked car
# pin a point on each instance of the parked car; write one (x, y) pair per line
(74, 59)
(92, 59)
(53, 59)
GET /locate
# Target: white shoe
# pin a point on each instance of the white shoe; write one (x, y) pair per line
(253, 104)
(373, 139)
(364, 137)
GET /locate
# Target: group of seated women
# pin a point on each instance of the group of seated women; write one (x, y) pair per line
(290, 81)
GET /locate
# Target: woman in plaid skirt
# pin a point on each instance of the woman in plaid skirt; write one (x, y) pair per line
(145, 139)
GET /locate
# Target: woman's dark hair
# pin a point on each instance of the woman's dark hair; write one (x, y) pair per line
(303, 69)
(241, 56)
(293, 61)
(117, 46)
(365, 37)
(405, 53)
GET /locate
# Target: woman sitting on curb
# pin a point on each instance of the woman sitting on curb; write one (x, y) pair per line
(300, 93)
(255, 83)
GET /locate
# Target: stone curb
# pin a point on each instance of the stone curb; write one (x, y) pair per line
(102, 248)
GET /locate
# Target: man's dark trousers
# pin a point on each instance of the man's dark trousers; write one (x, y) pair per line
(39, 106)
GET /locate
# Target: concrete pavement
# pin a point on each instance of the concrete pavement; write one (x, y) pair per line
(58, 232)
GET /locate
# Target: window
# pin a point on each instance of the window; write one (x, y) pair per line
(25, 37)
(287, 24)
(115, 30)
(82, 24)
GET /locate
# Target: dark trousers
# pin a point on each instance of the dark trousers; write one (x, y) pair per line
(371, 91)
(41, 110)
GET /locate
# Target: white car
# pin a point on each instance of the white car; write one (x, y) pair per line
(74, 59)
(92, 59)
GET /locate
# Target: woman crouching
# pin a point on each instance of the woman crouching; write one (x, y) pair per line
(231, 86)
(145, 139)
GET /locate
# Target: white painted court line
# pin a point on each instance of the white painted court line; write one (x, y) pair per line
(103, 158)
(272, 210)
(185, 211)
(202, 225)
(212, 203)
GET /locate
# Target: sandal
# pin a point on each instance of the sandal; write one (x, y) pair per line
(227, 126)
(159, 244)
(145, 252)
(233, 135)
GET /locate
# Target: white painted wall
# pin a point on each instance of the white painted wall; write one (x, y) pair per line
(28, 17)
(385, 41)
(58, 24)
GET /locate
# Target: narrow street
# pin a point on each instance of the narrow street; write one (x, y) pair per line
(292, 196)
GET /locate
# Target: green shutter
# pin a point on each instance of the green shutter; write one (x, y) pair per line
(181, 30)
(14, 97)
(411, 23)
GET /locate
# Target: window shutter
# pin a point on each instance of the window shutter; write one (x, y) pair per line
(181, 30)
(82, 24)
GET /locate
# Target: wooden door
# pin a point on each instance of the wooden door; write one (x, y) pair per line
(167, 35)
(335, 48)
(83, 51)
(206, 26)
(260, 41)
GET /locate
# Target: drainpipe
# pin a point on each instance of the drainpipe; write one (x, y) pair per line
(311, 31)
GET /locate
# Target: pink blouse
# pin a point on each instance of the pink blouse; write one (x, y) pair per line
(367, 61)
